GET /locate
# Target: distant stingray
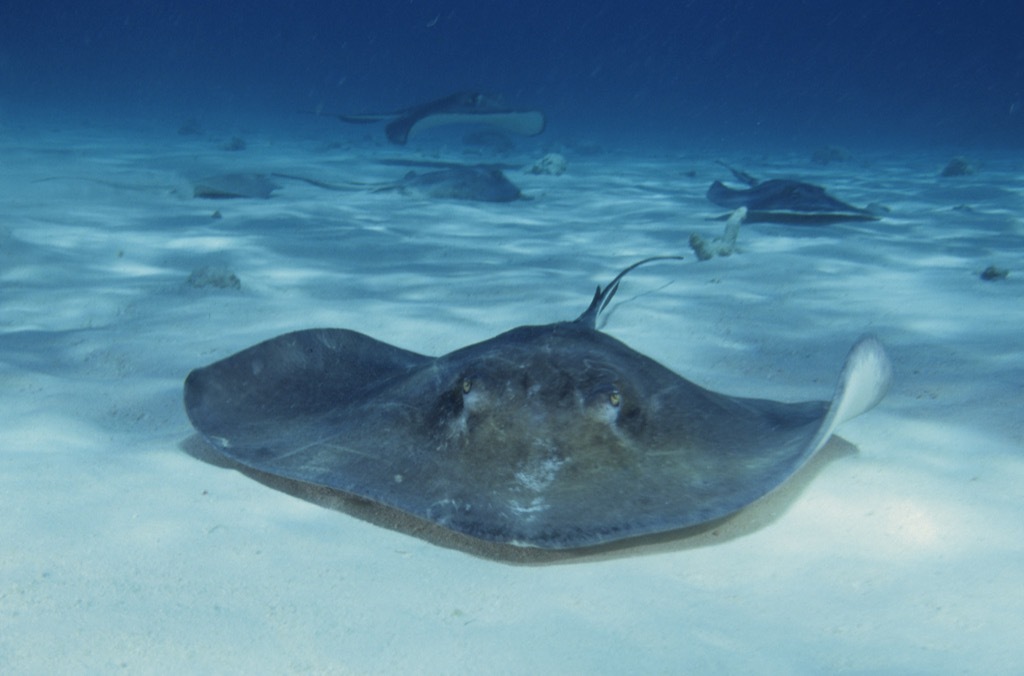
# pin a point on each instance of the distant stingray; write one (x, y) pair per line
(784, 201)
(227, 186)
(459, 108)
(478, 183)
(475, 183)
(218, 186)
(481, 184)
(555, 436)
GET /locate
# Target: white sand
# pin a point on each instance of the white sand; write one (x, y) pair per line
(901, 550)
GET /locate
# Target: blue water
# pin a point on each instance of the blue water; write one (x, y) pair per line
(754, 73)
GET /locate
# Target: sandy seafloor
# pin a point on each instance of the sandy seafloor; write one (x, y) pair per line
(900, 548)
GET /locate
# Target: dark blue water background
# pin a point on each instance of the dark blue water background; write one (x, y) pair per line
(708, 74)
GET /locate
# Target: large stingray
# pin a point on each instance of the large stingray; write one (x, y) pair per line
(554, 436)
(458, 108)
(785, 201)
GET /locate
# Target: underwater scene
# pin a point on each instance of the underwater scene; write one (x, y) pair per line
(512, 337)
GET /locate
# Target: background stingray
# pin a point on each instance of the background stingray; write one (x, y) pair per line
(228, 186)
(458, 108)
(555, 436)
(481, 184)
(477, 183)
(785, 201)
(217, 186)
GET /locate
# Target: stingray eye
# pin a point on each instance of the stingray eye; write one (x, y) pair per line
(467, 385)
(603, 404)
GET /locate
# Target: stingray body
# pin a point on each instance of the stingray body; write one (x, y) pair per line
(785, 201)
(474, 183)
(218, 186)
(479, 183)
(458, 108)
(233, 186)
(555, 436)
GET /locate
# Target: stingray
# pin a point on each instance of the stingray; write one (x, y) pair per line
(480, 183)
(230, 186)
(785, 201)
(555, 436)
(458, 108)
(219, 186)
(476, 183)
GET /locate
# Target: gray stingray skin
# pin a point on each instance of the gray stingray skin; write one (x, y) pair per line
(555, 436)
(233, 186)
(479, 183)
(472, 183)
(457, 108)
(785, 201)
(788, 202)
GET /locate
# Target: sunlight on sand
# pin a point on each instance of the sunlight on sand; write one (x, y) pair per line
(116, 532)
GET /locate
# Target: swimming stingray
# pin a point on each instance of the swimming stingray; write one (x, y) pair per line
(555, 436)
(785, 201)
(459, 108)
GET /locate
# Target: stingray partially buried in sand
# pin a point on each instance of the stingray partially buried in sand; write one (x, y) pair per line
(555, 436)
(465, 182)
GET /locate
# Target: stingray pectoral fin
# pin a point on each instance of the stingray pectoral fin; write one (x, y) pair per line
(522, 122)
(725, 196)
(270, 394)
(741, 176)
(865, 378)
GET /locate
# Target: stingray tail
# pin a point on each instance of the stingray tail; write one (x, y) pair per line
(741, 176)
(604, 296)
